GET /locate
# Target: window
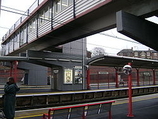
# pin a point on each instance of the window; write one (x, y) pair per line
(10, 46)
(47, 13)
(64, 4)
(23, 38)
(16, 41)
(41, 18)
(135, 54)
(7, 49)
(143, 54)
(70, 2)
(57, 6)
(44, 16)
(32, 25)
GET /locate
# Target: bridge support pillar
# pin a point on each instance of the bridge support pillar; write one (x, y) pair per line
(154, 79)
(34, 74)
(116, 74)
(138, 81)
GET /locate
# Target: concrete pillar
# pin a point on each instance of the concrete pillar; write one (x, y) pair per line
(138, 84)
(116, 74)
(35, 74)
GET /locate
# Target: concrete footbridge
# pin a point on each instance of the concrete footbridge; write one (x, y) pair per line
(48, 24)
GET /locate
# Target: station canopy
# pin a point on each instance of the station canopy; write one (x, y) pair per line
(120, 61)
(13, 58)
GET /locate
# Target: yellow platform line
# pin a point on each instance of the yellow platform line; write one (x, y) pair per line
(118, 102)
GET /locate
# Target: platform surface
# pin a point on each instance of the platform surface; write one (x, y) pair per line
(144, 107)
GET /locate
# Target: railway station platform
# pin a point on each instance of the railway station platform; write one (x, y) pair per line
(144, 107)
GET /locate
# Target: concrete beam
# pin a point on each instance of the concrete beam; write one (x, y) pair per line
(138, 29)
(51, 55)
(53, 58)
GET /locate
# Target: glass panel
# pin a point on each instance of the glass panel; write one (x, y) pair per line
(23, 38)
(32, 25)
(47, 13)
(70, 2)
(57, 6)
(41, 18)
(7, 48)
(16, 41)
(64, 4)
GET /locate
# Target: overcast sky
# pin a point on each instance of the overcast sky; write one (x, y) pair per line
(111, 45)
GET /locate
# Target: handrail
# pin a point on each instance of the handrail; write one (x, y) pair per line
(80, 105)
(22, 18)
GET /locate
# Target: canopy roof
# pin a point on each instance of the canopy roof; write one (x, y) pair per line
(120, 61)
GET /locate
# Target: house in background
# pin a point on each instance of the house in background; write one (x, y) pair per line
(146, 54)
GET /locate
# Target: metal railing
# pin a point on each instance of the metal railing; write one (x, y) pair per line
(22, 18)
(80, 110)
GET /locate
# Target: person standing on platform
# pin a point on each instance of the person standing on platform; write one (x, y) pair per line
(10, 90)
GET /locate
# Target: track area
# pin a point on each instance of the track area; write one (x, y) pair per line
(144, 107)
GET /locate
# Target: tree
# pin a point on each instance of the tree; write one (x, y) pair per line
(98, 51)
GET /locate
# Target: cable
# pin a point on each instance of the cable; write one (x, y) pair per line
(13, 9)
(13, 12)
(3, 27)
(119, 38)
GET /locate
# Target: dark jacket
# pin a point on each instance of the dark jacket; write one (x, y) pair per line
(9, 99)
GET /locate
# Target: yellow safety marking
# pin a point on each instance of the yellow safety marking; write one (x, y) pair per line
(136, 99)
(29, 116)
(120, 101)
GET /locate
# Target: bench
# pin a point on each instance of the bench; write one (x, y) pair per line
(80, 111)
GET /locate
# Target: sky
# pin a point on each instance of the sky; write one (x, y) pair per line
(111, 45)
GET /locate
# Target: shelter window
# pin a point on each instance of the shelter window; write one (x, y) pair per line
(47, 14)
(57, 6)
(7, 49)
(32, 25)
(16, 41)
(70, 2)
(64, 4)
(10, 46)
(23, 36)
(3, 50)
(41, 18)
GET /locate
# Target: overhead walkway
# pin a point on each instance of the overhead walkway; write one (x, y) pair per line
(120, 61)
(49, 23)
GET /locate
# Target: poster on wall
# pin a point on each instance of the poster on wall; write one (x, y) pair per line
(68, 76)
(78, 75)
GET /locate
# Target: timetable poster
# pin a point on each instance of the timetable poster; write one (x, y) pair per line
(68, 76)
(78, 75)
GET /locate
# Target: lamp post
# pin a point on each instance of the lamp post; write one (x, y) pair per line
(127, 69)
